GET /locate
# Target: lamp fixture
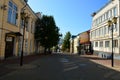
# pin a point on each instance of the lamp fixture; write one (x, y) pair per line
(4, 7)
(114, 20)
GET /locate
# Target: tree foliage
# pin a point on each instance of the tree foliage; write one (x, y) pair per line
(66, 42)
(47, 33)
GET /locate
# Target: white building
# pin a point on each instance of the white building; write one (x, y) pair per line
(100, 33)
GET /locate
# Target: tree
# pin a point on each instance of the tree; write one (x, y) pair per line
(66, 42)
(47, 33)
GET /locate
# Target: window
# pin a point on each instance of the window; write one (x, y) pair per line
(115, 28)
(97, 32)
(115, 43)
(12, 12)
(101, 44)
(104, 29)
(100, 31)
(107, 29)
(92, 44)
(110, 13)
(96, 44)
(103, 18)
(107, 15)
(100, 19)
(107, 43)
(114, 11)
(32, 27)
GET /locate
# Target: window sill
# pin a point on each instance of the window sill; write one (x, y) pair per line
(13, 24)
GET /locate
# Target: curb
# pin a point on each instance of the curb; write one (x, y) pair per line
(17, 66)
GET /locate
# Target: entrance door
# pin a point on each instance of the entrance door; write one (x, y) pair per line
(9, 47)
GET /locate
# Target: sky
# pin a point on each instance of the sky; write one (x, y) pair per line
(69, 15)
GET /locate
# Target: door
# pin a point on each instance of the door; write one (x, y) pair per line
(9, 47)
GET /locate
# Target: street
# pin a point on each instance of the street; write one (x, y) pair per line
(61, 67)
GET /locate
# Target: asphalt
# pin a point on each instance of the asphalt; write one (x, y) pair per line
(59, 67)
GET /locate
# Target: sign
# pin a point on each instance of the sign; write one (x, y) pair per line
(9, 39)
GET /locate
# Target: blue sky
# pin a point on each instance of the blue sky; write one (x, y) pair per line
(69, 15)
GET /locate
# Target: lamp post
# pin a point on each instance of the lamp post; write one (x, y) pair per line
(111, 24)
(23, 14)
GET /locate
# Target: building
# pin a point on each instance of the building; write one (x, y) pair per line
(74, 44)
(100, 33)
(85, 44)
(12, 28)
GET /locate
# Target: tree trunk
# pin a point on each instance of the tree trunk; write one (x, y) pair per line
(49, 50)
(45, 52)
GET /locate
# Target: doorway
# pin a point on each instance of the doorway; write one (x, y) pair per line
(9, 47)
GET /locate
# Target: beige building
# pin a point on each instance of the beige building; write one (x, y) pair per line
(12, 27)
(74, 44)
(101, 34)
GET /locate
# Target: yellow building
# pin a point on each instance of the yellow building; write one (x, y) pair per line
(12, 28)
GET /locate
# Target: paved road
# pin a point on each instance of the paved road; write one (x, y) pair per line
(61, 67)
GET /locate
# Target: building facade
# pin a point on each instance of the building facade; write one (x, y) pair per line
(100, 33)
(85, 44)
(74, 44)
(12, 27)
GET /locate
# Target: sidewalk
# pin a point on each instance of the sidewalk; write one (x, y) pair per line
(104, 62)
(11, 64)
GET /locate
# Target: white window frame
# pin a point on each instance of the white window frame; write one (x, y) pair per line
(115, 43)
(107, 44)
(101, 43)
(96, 44)
(115, 11)
(12, 13)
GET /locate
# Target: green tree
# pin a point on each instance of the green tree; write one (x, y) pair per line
(66, 42)
(47, 33)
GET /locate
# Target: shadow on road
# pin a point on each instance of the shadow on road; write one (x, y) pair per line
(61, 67)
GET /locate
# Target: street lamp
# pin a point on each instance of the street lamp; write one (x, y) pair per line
(110, 24)
(23, 17)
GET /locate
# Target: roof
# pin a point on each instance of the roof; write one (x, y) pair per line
(94, 13)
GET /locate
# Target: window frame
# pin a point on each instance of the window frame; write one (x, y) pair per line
(107, 44)
(12, 13)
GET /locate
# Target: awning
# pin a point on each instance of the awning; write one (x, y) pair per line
(13, 34)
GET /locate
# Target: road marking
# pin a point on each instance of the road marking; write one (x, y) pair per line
(64, 60)
(71, 68)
